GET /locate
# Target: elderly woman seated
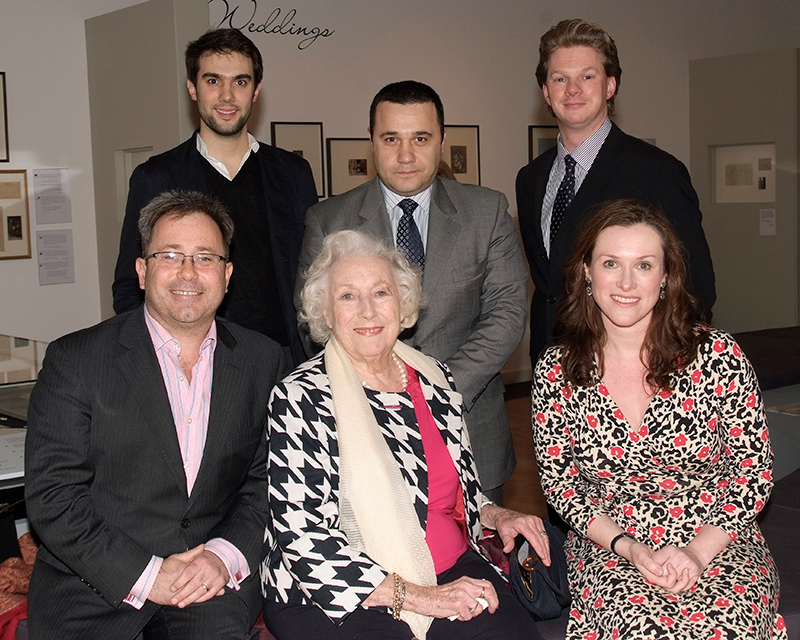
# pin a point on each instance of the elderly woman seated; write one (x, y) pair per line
(375, 501)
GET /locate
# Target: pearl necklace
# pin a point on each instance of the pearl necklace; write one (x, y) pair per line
(400, 367)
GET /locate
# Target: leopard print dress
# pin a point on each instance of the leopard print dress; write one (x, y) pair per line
(701, 455)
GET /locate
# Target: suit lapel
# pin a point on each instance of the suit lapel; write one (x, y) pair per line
(603, 168)
(542, 177)
(443, 230)
(142, 373)
(373, 219)
(223, 412)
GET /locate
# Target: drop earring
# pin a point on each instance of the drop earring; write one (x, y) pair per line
(662, 294)
(588, 287)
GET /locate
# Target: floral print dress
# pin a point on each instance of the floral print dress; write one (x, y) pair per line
(700, 456)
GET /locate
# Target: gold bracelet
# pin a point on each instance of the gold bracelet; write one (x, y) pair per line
(399, 597)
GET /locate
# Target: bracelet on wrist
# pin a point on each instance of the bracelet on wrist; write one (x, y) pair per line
(613, 545)
(399, 597)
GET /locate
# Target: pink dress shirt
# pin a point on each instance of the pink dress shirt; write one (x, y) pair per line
(190, 401)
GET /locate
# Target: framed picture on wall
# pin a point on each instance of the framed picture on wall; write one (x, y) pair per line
(462, 152)
(3, 119)
(541, 137)
(350, 164)
(15, 236)
(304, 139)
(744, 173)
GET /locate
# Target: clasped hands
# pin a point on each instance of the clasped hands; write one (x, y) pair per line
(676, 569)
(185, 578)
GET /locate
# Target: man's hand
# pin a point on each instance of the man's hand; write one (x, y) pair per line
(171, 569)
(203, 578)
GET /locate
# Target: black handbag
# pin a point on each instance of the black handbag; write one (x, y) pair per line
(542, 590)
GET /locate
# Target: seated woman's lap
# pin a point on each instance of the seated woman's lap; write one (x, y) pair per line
(727, 596)
(509, 622)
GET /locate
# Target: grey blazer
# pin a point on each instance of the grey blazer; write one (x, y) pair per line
(475, 288)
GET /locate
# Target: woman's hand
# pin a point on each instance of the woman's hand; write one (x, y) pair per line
(509, 524)
(458, 598)
(682, 567)
(642, 558)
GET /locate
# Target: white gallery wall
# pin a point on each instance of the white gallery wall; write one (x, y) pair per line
(480, 56)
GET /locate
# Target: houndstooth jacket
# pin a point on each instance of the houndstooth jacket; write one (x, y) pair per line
(306, 558)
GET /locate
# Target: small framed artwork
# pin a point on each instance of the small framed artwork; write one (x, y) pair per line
(350, 164)
(540, 139)
(304, 139)
(15, 236)
(744, 173)
(462, 151)
(3, 120)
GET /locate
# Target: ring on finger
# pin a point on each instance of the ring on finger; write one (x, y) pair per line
(474, 609)
(204, 587)
(543, 532)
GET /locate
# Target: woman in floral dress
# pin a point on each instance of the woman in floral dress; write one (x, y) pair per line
(653, 446)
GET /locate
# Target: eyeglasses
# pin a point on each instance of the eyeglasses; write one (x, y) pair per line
(175, 259)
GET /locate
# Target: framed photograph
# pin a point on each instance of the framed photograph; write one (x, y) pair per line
(540, 139)
(349, 164)
(3, 119)
(462, 151)
(15, 236)
(304, 139)
(744, 173)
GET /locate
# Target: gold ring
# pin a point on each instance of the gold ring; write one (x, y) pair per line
(483, 593)
(204, 587)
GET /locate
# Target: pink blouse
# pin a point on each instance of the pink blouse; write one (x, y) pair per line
(445, 532)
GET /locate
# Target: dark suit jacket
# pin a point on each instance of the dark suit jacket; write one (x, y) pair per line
(288, 190)
(475, 289)
(625, 167)
(104, 480)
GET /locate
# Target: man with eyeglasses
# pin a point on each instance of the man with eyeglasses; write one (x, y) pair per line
(146, 451)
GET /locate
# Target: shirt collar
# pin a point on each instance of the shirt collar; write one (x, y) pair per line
(163, 339)
(423, 198)
(203, 148)
(587, 151)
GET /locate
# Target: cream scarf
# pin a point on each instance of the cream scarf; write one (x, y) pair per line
(375, 508)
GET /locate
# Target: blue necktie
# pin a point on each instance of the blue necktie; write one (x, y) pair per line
(408, 239)
(564, 195)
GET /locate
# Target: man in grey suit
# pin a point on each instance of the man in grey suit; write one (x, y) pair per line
(145, 467)
(463, 240)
